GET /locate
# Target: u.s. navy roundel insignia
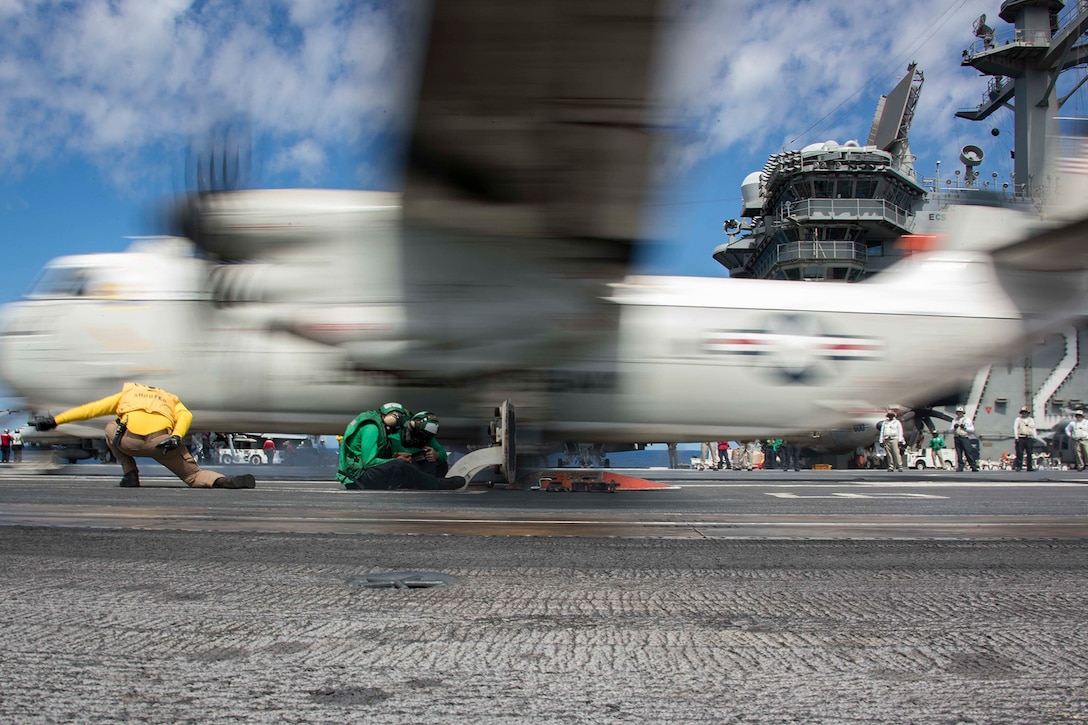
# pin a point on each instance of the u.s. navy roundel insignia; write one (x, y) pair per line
(795, 348)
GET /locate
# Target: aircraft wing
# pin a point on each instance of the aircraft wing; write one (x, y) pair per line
(527, 171)
(534, 125)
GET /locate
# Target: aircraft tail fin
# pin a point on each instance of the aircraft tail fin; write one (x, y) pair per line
(1059, 249)
(1063, 244)
(1069, 199)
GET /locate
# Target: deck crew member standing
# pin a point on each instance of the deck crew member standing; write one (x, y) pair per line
(891, 436)
(269, 448)
(791, 455)
(724, 454)
(1077, 430)
(1023, 430)
(936, 448)
(961, 428)
(17, 446)
(150, 424)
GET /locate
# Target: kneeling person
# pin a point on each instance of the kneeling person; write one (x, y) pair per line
(368, 459)
(150, 424)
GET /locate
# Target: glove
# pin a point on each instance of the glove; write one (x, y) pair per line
(169, 444)
(44, 422)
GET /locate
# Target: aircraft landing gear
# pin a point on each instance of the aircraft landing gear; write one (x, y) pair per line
(583, 455)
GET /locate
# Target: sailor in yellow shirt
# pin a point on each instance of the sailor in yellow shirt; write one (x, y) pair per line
(150, 423)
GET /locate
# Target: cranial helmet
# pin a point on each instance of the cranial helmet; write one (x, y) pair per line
(393, 408)
(421, 428)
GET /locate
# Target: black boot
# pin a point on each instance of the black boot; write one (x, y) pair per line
(245, 480)
(130, 480)
(451, 483)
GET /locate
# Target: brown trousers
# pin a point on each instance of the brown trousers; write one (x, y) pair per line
(179, 460)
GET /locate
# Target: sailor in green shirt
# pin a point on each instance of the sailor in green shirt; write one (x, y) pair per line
(418, 438)
(368, 459)
(936, 445)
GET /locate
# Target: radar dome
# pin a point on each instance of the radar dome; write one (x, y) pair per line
(829, 145)
(751, 201)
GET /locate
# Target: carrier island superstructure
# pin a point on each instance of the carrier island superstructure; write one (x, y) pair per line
(841, 212)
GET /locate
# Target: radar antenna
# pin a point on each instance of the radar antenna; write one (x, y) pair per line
(983, 31)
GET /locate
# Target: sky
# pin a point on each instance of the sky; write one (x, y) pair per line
(99, 100)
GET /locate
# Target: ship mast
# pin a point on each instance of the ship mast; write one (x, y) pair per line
(1024, 65)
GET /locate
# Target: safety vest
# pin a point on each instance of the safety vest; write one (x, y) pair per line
(350, 465)
(137, 396)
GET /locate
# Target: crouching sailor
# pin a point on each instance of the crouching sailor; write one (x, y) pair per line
(150, 423)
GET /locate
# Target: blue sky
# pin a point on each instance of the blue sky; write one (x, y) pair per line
(100, 98)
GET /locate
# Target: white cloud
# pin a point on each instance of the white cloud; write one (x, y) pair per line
(306, 159)
(118, 80)
(752, 76)
(109, 79)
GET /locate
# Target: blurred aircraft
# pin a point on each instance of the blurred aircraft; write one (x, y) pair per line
(503, 272)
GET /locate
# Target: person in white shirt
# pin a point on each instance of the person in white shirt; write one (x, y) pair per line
(891, 436)
(1023, 431)
(17, 446)
(1077, 430)
(961, 429)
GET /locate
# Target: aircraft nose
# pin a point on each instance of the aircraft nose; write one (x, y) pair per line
(6, 314)
(15, 335)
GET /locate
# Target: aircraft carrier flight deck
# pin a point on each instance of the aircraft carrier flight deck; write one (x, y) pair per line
(755, 597)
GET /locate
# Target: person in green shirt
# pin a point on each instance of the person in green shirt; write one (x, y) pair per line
(936, 445)
(368, 459)
(418, 438)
